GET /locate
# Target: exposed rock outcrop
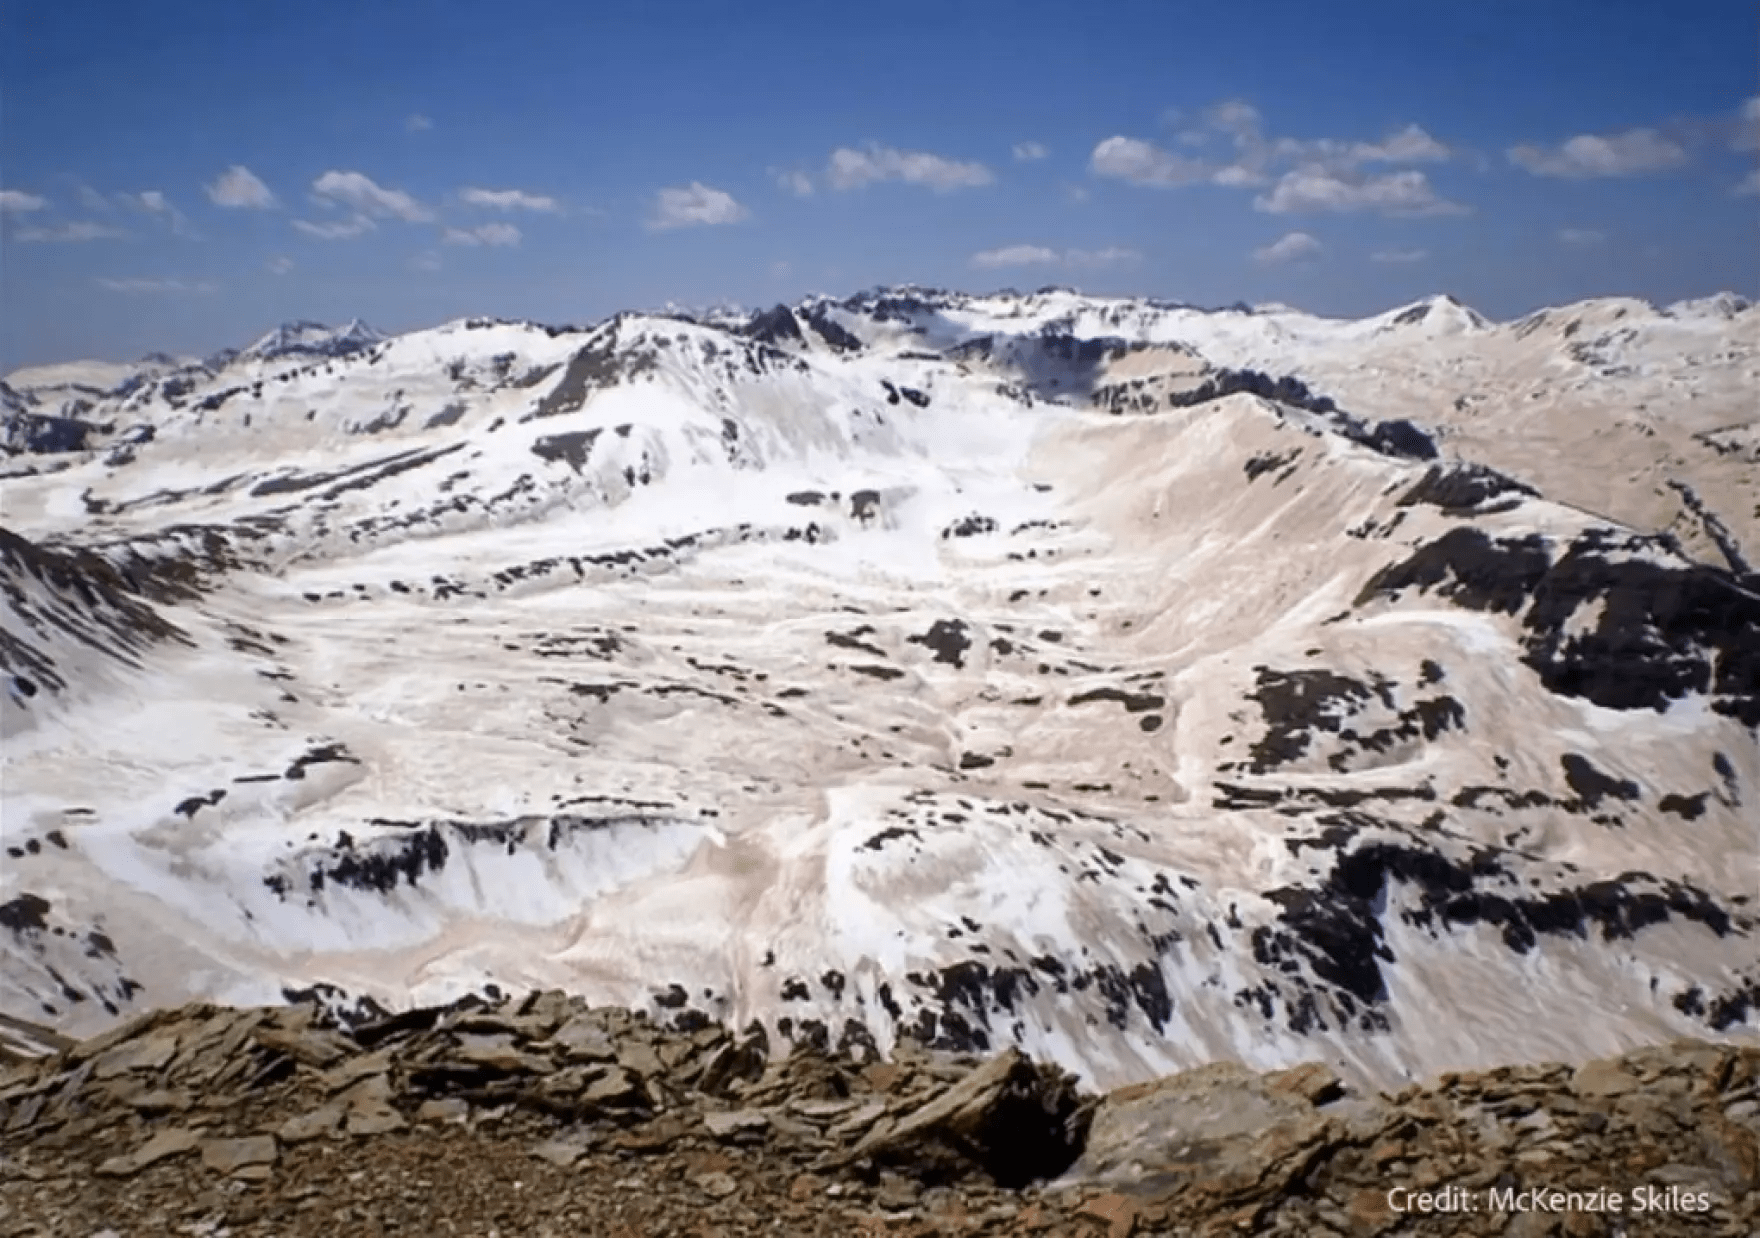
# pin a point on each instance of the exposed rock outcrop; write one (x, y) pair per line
(539, 1115)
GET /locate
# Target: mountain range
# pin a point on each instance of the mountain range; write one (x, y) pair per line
(1139, 684)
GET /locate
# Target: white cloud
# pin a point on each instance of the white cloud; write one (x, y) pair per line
(427, 261)
(1581, 236)
(1290, 247)
(1144, 163)
(1238, 176)
(1040, 255)
(239, 186)
(347, 230)
(1309, 189)
(794, 181)
(1015, 256)
(1632, 153)
(359, 192)
(510, 200)
(80, 231)
(17, 201)
(851, 169)
(1408, 145)
(1075, 193)
(1255, 156)
(1749, 184)
(279, 266)
(1399, 255)
(157, 285)
(694, 205)
(1026, 152)
(488, 234)
(418, 123)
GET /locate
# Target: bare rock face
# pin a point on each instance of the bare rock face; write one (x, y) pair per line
(485, 1115)
(1206, 1126)
(1016, 1120)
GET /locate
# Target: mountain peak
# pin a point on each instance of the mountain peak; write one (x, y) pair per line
(306, 337)
(1721, 305)
(1441, 313)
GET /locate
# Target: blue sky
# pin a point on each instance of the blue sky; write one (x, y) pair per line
(185, 175)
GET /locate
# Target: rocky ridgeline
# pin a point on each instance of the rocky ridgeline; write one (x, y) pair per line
(541, 1116)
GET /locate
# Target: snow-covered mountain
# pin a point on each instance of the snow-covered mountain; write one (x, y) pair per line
(1138, 683)
(312, 339)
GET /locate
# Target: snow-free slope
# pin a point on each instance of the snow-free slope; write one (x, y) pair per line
(1138, 684)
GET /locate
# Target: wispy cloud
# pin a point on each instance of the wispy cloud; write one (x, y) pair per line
(1026, 152)
(509, 200)
(426, 261)
(794, 181)
(1635, 152)
(1409, 145)
(364, 196)
(153, 202)
(417, 123)
(496, 235)
(1238, 176)
(1749, 184)
(1101, 257)
(1233, 116)
(1399, 255)
(1747, 131)
(238, 186)
(279, 266)
(83, 230)
(158, 286)
(1581, 236)
(1312, 189)
(1291, 247)
(345, 230)
(1040, 255)
(694, 205)
(17, 202)
(1015, 256)
(852, 169)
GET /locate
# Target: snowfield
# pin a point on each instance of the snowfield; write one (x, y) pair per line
(1140, 684)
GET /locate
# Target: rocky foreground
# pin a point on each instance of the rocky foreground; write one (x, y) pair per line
(540, 1116)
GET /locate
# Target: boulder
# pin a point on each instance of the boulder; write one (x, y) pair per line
(1010, 1117)
(581, 1039)
(1222, 1131)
